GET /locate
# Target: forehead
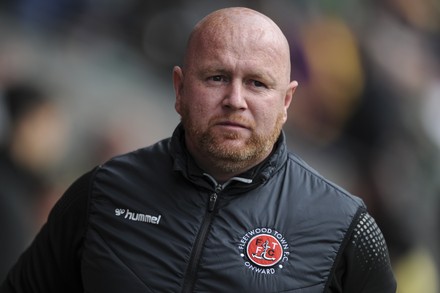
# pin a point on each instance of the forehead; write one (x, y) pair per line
(238, 37)
(243, 50)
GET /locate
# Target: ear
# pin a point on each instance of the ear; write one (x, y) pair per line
(178, 87)
(289, 95)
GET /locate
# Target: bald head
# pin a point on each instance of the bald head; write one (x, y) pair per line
(234, 90)
(242, 30)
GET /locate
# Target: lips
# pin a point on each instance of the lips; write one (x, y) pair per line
(232, 124)
(234, 121)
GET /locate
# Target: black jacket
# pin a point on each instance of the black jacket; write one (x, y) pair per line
(152, 221)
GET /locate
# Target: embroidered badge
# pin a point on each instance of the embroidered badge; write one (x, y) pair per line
(264, 250)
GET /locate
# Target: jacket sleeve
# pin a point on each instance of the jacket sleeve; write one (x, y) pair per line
(364, 264)
(52, 262)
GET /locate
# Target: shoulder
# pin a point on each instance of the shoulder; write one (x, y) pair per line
(313, 183)
(150, 157)
(131, 174)
(363, 261)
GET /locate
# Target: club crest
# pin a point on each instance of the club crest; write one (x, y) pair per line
(264, 250)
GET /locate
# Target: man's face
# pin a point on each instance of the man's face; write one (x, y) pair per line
(232, 98)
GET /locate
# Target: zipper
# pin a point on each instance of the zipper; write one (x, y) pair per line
(190, 276)
(191, 272)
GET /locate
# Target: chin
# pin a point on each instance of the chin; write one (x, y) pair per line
(231, 143)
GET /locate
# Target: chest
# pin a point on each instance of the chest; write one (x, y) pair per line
(182, 241)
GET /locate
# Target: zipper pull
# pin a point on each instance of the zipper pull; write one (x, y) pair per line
(212, 201)
(213, 197)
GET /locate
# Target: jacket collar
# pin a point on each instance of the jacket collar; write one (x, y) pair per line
(184, 163)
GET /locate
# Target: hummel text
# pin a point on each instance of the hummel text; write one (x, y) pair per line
(138, 217)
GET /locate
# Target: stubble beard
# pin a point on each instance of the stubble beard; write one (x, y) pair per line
(224, 154)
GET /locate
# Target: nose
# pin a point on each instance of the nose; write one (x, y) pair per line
(235, 96)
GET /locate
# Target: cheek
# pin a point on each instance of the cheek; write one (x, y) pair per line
(199, 104)
(268, 115)
(194, 111)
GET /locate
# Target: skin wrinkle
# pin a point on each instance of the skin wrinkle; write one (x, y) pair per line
(233, 91)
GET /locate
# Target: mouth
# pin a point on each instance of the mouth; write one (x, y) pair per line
(232, 124)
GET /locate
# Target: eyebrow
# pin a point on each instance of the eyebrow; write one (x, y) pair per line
(214, 70)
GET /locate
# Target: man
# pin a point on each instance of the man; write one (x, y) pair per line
(221, 206)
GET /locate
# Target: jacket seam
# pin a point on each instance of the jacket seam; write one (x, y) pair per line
(87, 216)
(90, 195)
(89, 199)
(343, 245)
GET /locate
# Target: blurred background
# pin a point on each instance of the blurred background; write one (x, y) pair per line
(84, 80)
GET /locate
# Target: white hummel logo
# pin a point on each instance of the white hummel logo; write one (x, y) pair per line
(138, 217)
